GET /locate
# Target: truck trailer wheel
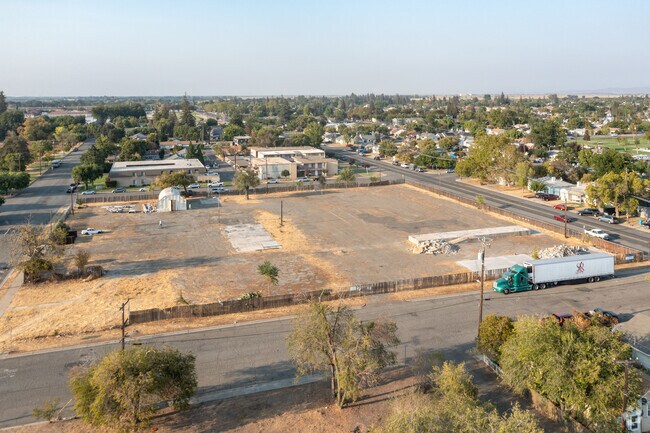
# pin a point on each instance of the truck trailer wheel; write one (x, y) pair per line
(597, 278)
(542, 286)
(590, 279)
(535, 287)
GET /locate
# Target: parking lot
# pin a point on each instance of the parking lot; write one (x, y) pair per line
(329, 240)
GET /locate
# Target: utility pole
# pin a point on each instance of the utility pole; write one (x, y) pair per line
(485, 243)
(123, 325)
(565, 219)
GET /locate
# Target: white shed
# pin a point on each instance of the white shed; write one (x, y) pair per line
(170, 200)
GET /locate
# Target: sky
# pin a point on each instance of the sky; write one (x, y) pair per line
(336, 47)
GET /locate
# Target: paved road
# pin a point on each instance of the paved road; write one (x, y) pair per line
(531, 208)
(247, 354)
(46, 195)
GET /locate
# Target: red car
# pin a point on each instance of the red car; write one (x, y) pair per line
(560, 206)
(563, 218)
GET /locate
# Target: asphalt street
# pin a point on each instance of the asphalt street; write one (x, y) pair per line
(45, 197)
(254, 353)
(530, 208)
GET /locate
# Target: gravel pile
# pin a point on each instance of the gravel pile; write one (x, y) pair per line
(436, 247)
(561, 251)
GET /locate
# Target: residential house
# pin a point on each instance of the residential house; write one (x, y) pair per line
(216, 133)
(637, 420)
(139, 136)
(565, 190)
(241, 139)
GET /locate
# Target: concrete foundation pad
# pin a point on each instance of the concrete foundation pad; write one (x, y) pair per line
(250, 237)
(499, 262)
(492, 232)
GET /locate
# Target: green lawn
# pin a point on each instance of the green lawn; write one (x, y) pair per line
(614, 143)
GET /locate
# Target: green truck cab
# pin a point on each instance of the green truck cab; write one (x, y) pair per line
(513, 280)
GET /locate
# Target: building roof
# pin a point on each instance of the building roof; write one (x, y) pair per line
(169, 192)
(272, 160)
(165, 164)
(285, 148)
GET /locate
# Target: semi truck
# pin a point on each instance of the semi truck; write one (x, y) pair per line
(540, 274)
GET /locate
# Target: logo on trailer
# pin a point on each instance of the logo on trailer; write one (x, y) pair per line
(581, 268)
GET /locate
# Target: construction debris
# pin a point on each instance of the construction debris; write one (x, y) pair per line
(435, 247)
(561, 251)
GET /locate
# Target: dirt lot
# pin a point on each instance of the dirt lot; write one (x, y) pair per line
(305, 408)
(331, 240)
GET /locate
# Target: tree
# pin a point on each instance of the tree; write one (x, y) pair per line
(40, 148)
(122, 390)
(537, 186)
(492, 158)
(35, 249)
(523, 172)
(231, 131)
(87, 173)
(346, 176)
(493, 333)
(13, 181)
(453, 407)
(66, 136)
(269, 272)
(387, 148)
(548, 133)
(3, 102)
(15, 154)
(448, 143)
(177, 178)
(132, 150)
(36, 128)
(587, 136)
(266, 136)
(618, 190)
(334, 340)
(195, 151)
(186, 113)
(314, 133)
(81, 259)
(573, 365)
(246, 179)
(285, 173)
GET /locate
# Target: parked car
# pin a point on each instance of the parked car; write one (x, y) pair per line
(395, 163)
(589, 211)
(562, 218)
(597, 233)
(304, 179)
(560, 206)
(540, 194)
(451, 170)
(70, 190)
(116, 190)
(91, 231)
(419, 170)
(213, 184)
(194, 185)
(610, 219)
(219, 190)
(404, 165)
(377, 158)
(88, 192)
(272, 181)
(142, 189)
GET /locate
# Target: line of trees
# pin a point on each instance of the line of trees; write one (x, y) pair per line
(573, 364)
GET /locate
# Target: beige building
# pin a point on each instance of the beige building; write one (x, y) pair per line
(140, 173)
(270, 162)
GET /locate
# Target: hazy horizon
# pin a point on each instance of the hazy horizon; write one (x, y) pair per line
(72, 48)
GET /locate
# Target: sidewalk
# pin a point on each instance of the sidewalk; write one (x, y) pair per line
(17, 279)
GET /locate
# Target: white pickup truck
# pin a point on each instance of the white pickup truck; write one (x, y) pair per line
(597, 233)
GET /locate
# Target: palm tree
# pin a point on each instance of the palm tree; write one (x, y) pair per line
(269, 271)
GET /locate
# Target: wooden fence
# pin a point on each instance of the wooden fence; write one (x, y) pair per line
(622, 254)
(262, 189)
(238, 306)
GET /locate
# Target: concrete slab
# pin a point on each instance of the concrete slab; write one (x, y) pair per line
(250, 237)
(499, 262)
(490, 232)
